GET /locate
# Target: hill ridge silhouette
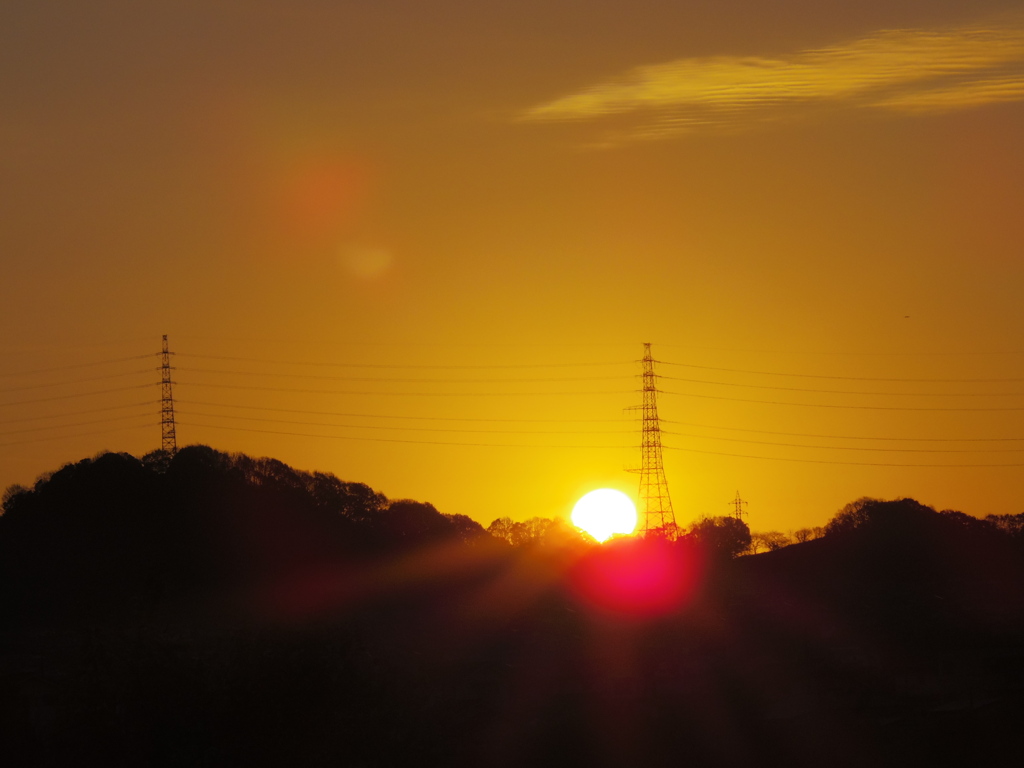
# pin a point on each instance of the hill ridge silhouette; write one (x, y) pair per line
(219, 609)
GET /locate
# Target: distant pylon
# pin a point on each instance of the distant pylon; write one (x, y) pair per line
(169, 441)
(737, 504)
(657, 504)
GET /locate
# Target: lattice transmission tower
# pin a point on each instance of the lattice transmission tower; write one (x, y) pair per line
(737, 504)
(169, 441)
(658, 516)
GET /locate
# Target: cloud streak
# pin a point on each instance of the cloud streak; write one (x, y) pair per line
(910, 70)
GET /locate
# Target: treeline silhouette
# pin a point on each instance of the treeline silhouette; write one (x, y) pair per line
(216, 609)
(117, 533)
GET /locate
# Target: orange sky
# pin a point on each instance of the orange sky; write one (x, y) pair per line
(459, 188)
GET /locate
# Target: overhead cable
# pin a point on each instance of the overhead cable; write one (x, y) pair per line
(395, 440)
(833, 405)
(69, 437)
(79, 365)
(79, 413)
(78, 424)
(394, 416)
(80, 394)
(852, 437)
(839, 463)
(832, 353)
(402, 381)
(187, 413)
(575, 393)
(76, 381)
(840, 378)
(848, 448)
(845, 391)
(402, 367)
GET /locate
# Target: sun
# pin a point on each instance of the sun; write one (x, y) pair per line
(604, 512)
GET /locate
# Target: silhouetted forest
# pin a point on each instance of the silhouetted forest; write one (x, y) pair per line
(213, 609)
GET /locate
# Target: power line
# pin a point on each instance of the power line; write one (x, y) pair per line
(258, 417)
(838, 463)
(78, 424)
(74, 381)
(852, 437)
(417, 429)
(496, 431)
(832, 405)
(846, 391)
(588, 378)
(418, 344)
(405, 366)
(78, 365)
(841, 378)
(68, 437)
(851, 448)
(392, 416)
(595, 378)
(76, 346)
(391, 440)
(830, 353)
(78, 413)
(80, 394)
(575, 393)
(402, 381)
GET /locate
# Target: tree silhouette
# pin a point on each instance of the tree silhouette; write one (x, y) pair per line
(116, 533)
(415, 522)
(899, 519)
(720, 536)
(768, 541)
(519, 533)
(1011, 525)
(808, 534)
(537, 530)
(466, 529)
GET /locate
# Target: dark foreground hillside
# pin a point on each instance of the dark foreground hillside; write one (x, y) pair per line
(220, 610)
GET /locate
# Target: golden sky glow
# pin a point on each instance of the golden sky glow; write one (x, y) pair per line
(420, 245)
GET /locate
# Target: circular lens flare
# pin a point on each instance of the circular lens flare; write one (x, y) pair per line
(638, 577)
(605, 512)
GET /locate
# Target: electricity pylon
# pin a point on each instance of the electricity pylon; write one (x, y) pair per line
(658, 517)
(737, 504)
(169, 441)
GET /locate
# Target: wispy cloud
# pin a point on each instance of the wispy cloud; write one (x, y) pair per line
(906, 69)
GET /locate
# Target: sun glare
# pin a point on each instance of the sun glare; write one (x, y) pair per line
(604, 512)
